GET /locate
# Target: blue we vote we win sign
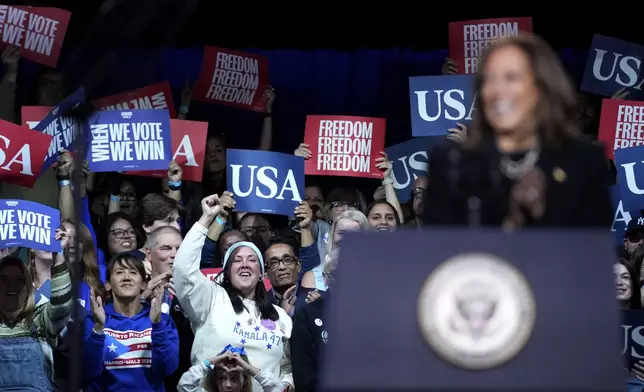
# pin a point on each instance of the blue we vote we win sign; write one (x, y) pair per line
(63, 128)
(121, 140)
(614, 64)
(439, 102)
(265, 182)
(28, 224)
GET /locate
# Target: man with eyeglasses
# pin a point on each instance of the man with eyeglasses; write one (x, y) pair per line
(418, 202)
(257, 228)
(283, 269)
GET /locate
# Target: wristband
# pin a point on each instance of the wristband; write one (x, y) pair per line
(174, 185)
(184, 109)
(115, 198)
(63, 183)
(63, 177)
(208, 364)
(97, 333)
(268, 115)
(220, 220)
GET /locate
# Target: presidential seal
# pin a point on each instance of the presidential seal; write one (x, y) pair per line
(476, 311)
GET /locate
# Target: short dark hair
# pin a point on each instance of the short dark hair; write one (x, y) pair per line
(127, 259)
(282, 240)
(157, 206)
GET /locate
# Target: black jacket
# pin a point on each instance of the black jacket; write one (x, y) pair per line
(186, 338)
(308, 339)
(580, 197)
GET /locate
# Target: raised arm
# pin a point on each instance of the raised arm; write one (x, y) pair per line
(51, 317)
(195, 291)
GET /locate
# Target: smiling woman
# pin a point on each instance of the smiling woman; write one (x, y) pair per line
(524, 163)
(238, 311)
(28, 332)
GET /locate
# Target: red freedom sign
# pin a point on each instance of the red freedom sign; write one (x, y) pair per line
(154, 96)
(344, 145)
(211, 273)
(621, 125)
(39, 32)
(468, 40)
(232, 78)
(22, 154)
(189, 149)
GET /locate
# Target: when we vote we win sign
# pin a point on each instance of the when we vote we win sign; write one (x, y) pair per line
(28, 224)
(121, 140)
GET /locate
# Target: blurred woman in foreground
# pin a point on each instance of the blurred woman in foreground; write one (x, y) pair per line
(524, 163)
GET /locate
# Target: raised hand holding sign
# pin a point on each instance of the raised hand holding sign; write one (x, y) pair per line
(265, 182)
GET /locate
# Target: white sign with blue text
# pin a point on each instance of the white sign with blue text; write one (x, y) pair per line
(438, 103)
(121, 140)
(265, 182)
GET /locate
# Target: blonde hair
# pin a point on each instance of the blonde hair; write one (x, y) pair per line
(27, 311)
(352, 215)
(330, 264)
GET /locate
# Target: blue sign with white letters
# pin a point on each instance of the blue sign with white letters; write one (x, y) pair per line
(621, 216)
(265, 182)
(121, 140)
(630, 176)
(614, 64)
(409, 161)
(64, 130)
(28, 224)
(439, 102)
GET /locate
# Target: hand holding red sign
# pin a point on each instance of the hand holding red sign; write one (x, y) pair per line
(22, 154)
(232, 78)
(621, 125)
(468, 40)
(38, 31)
(344, 145)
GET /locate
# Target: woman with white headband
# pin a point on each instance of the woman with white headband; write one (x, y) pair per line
(237, 310)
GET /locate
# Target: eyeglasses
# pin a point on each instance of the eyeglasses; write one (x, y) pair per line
(344, 204)
(119, 234)
(250, 230)
(275, 263)
(418, 193)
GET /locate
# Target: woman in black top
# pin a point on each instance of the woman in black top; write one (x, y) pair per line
(524, 163)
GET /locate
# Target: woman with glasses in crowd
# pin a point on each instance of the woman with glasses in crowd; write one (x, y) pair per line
(524, 162)
(235, 310)
(28, 332)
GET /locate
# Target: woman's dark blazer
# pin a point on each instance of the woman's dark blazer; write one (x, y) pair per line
(577, 180)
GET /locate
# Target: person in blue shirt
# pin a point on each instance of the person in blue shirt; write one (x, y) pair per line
(128, 345)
